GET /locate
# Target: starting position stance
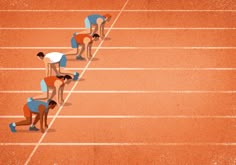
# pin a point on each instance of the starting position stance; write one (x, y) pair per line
(98, 21)
(56, 83)
(51, 59)
(41, 110)
(86, 42)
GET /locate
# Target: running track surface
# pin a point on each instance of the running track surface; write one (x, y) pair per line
(159, 90)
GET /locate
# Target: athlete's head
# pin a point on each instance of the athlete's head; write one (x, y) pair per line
(95, 37)
(40, 55)
(67, 78)
(52, 104)
(107, 17)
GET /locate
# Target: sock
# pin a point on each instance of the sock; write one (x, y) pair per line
(32, 125)
(14, 124)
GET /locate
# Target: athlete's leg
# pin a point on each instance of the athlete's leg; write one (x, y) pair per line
(72, 52)
(81, 50)
(27, 121)
(53, 66)
(79, 56)
(62, 66)
(28, 117)
(53, 94)
(32, 127)
(36, 119)
(74, 45)
(45, 91)
(88, 27)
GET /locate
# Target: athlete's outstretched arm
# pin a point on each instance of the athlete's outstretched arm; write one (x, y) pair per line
(86, 45)
(47, 65)
(99, 24)
(61, 93)
(95, 30)
(90, 51)
(42, 109)
(102, 30)
(45, 120)
(58, 85)
(53, 93)
(87, 50)
(36, 119)
(47, 69)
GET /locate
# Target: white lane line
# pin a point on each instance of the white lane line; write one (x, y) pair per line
(130, 47)
(132, 92)
(121, 28)
(164, 91)
(123, 144)
(128, 117)
(180, 10)
(97, 10)
(131, 10)
(81, 75)
(23, 91)
(128, 69)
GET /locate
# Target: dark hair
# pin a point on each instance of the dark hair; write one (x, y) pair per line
(107, 16)
(52, 102)
(95, 35)
(40, 54)
(68, 77)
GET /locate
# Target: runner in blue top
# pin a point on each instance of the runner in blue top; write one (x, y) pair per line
(39, 108)
(98, 21)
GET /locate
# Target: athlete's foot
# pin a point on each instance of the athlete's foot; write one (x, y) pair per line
(30, 99)
(62, 101)
(13, 128)
(80, 58)
(74, 34)
(49, 100)
(90, 57)
(76, 76)
(33, 128)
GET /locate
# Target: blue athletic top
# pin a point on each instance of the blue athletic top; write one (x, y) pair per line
(93, 18)
(34, 104)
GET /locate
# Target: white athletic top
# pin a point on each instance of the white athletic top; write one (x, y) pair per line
(54, 57)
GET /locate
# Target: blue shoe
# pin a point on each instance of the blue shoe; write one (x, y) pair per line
(30, 99)
(13, 129)
(80, 58)
(33, 128)
(74, 34)
(76, 76)
(49, 100)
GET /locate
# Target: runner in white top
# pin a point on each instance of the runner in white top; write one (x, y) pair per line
(55, 57)
(52, 59)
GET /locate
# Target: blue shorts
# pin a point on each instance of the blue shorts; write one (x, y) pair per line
(87, 23)
(43, 85)
(63, 61)
(74, 44)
